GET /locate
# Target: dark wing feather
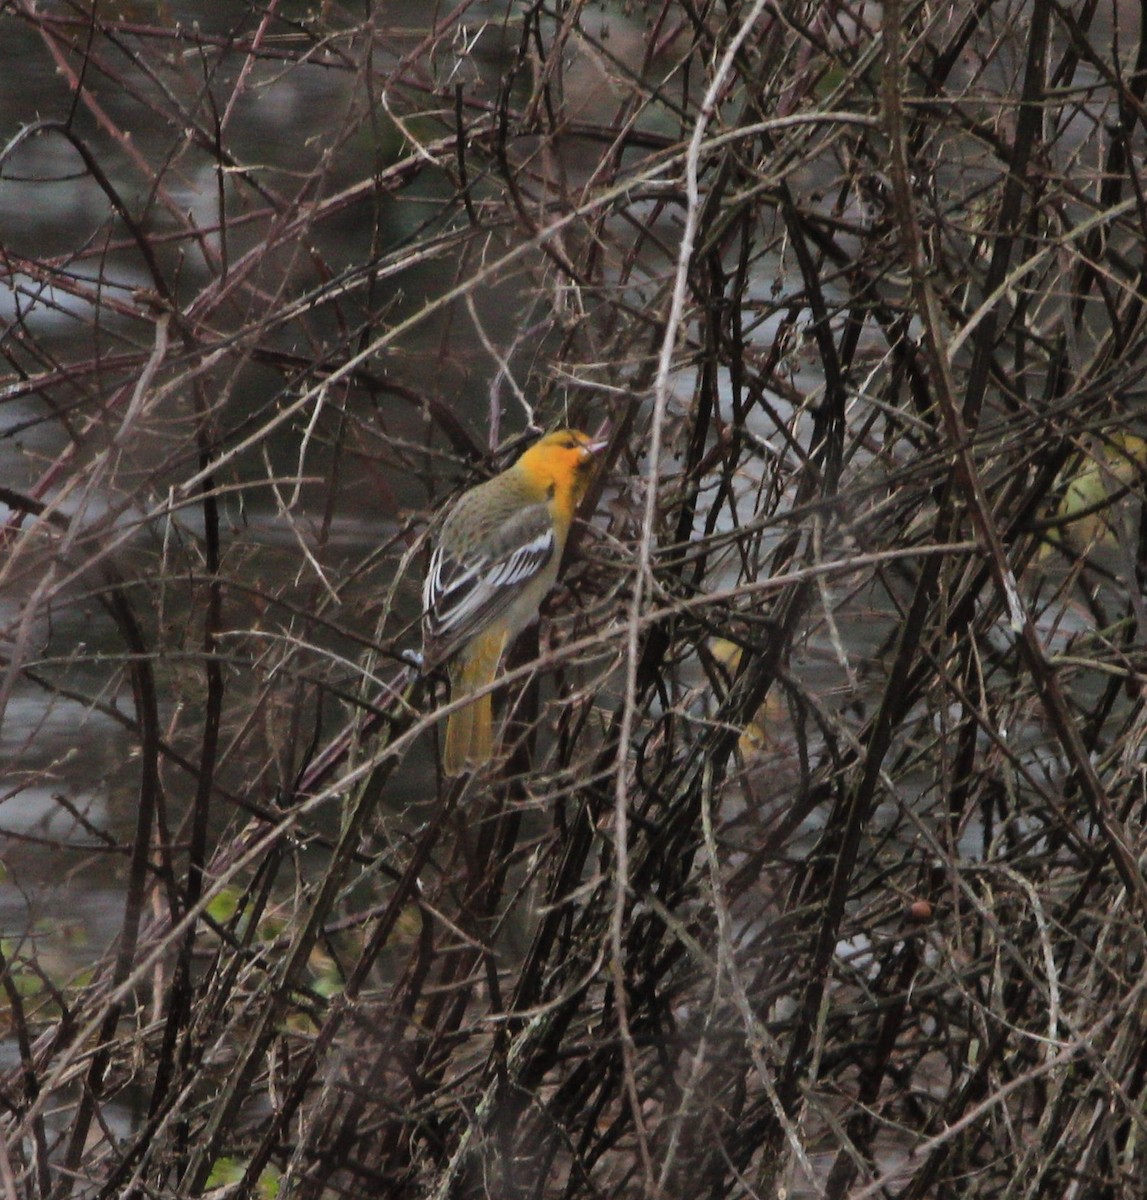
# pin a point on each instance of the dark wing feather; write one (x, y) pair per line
(464, 594)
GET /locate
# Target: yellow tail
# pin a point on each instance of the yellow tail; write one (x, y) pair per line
(470, 730)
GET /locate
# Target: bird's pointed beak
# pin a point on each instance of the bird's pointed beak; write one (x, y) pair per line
(600, 440)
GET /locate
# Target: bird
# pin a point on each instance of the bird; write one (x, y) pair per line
(495, 559)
